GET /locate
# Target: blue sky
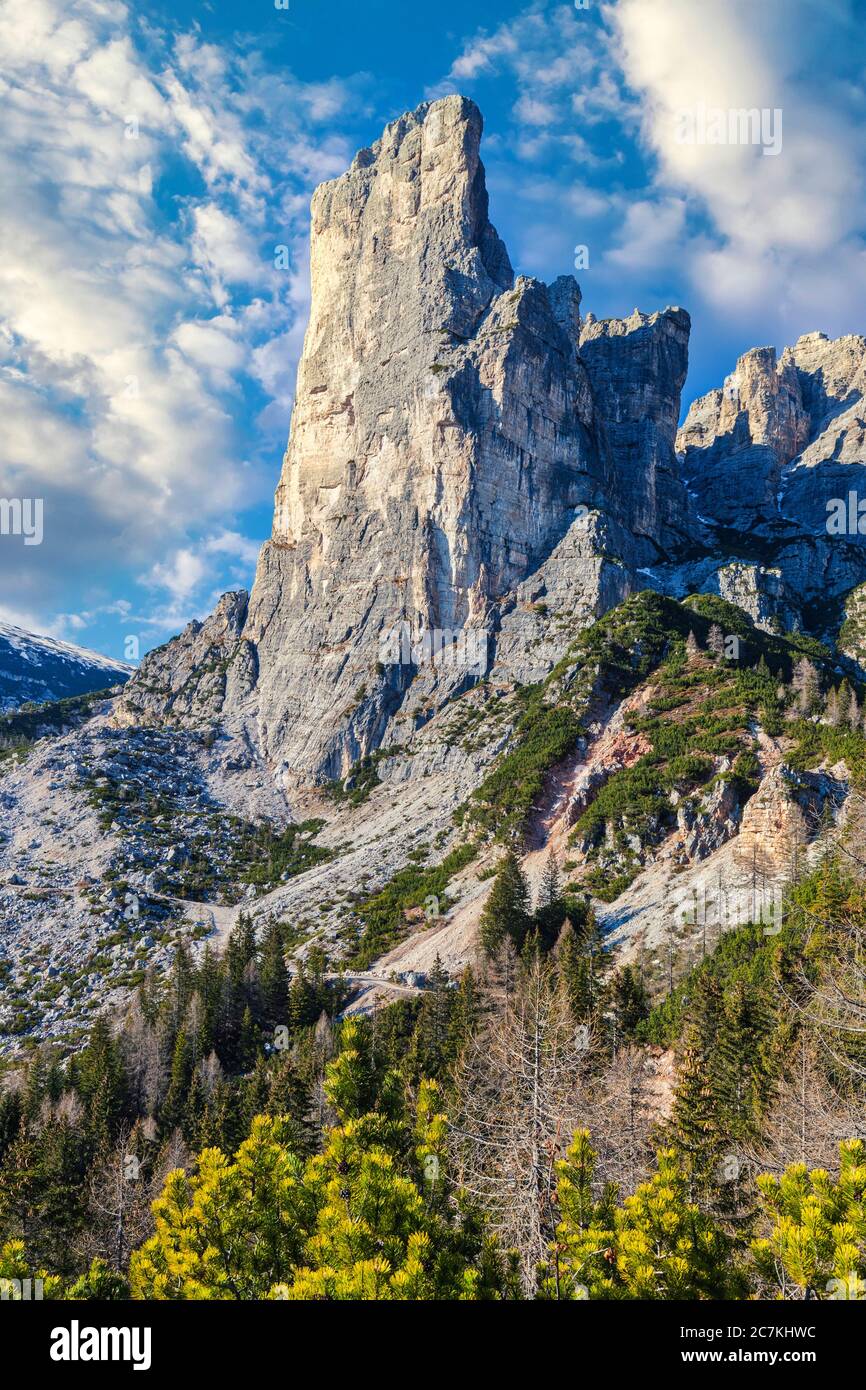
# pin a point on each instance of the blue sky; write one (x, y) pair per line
(153, 156)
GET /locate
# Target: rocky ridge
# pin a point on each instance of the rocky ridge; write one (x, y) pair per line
(37, 669)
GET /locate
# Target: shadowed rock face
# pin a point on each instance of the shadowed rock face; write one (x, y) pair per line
(638, 367)
(454, 449)
(765, 455)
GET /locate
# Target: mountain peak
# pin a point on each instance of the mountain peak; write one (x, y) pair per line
(37, 669)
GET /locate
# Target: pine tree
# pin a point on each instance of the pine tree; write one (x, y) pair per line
(99, 1076)
(579, 961)
(692, 647)
(274, 976)
(231, 1230)
(816, 1244)
(371, 1217)
(629, 1000)
(209, 987)
(549, 893)
(465, 1013)
(290, 1097)
(180, 985)
(173, 1110)
(429, 1051)
(506, 913)
(551, 908)
(249, 1040)
(351, 1083)
(657, 1245)
(695, 1126)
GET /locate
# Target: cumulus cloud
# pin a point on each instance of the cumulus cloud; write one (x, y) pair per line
(559, 60)
(785, 243)
(137, 306)
(650, 233)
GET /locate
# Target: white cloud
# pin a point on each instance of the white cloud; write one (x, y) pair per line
(788, 230)
(533, 112)
(134, 319)
(213, 346)
(560, 62)
(181, 574)
(225, 250)
(650, 234)
(182, 583)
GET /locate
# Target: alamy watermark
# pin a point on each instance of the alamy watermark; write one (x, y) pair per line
(460, 649)
(20, 1290)
(77, 1343)
(846, 516)
(717, 125)
(22, 516)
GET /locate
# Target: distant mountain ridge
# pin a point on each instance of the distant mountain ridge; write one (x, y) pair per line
(36, 669)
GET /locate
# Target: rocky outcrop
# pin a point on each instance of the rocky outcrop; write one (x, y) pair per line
(735, 441)
(638, 367)
(784, 818)
(470, 458)
(771, 460)
(187, 679)
(852, 633)
(706, 824)
(464, 456)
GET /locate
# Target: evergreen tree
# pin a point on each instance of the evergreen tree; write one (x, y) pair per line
(231, 1230)
(99, 1076)
(366, 1219)
(580, 967)
(351, 1081)
(430, 1048)
(629, 1000)
(816, 1245)
(506, 912)
(465, 1013)
(551, 909)
(289, 1096)
(657, 1245)
(173, 1111)
(274, 976)
(695, 1121)
(248, 1041)
(180, 985)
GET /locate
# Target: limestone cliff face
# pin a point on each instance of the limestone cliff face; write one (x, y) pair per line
(764, 455)
(442, 435)
(638, 367)
(468, 455)
(461, 456)
(735, 441)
